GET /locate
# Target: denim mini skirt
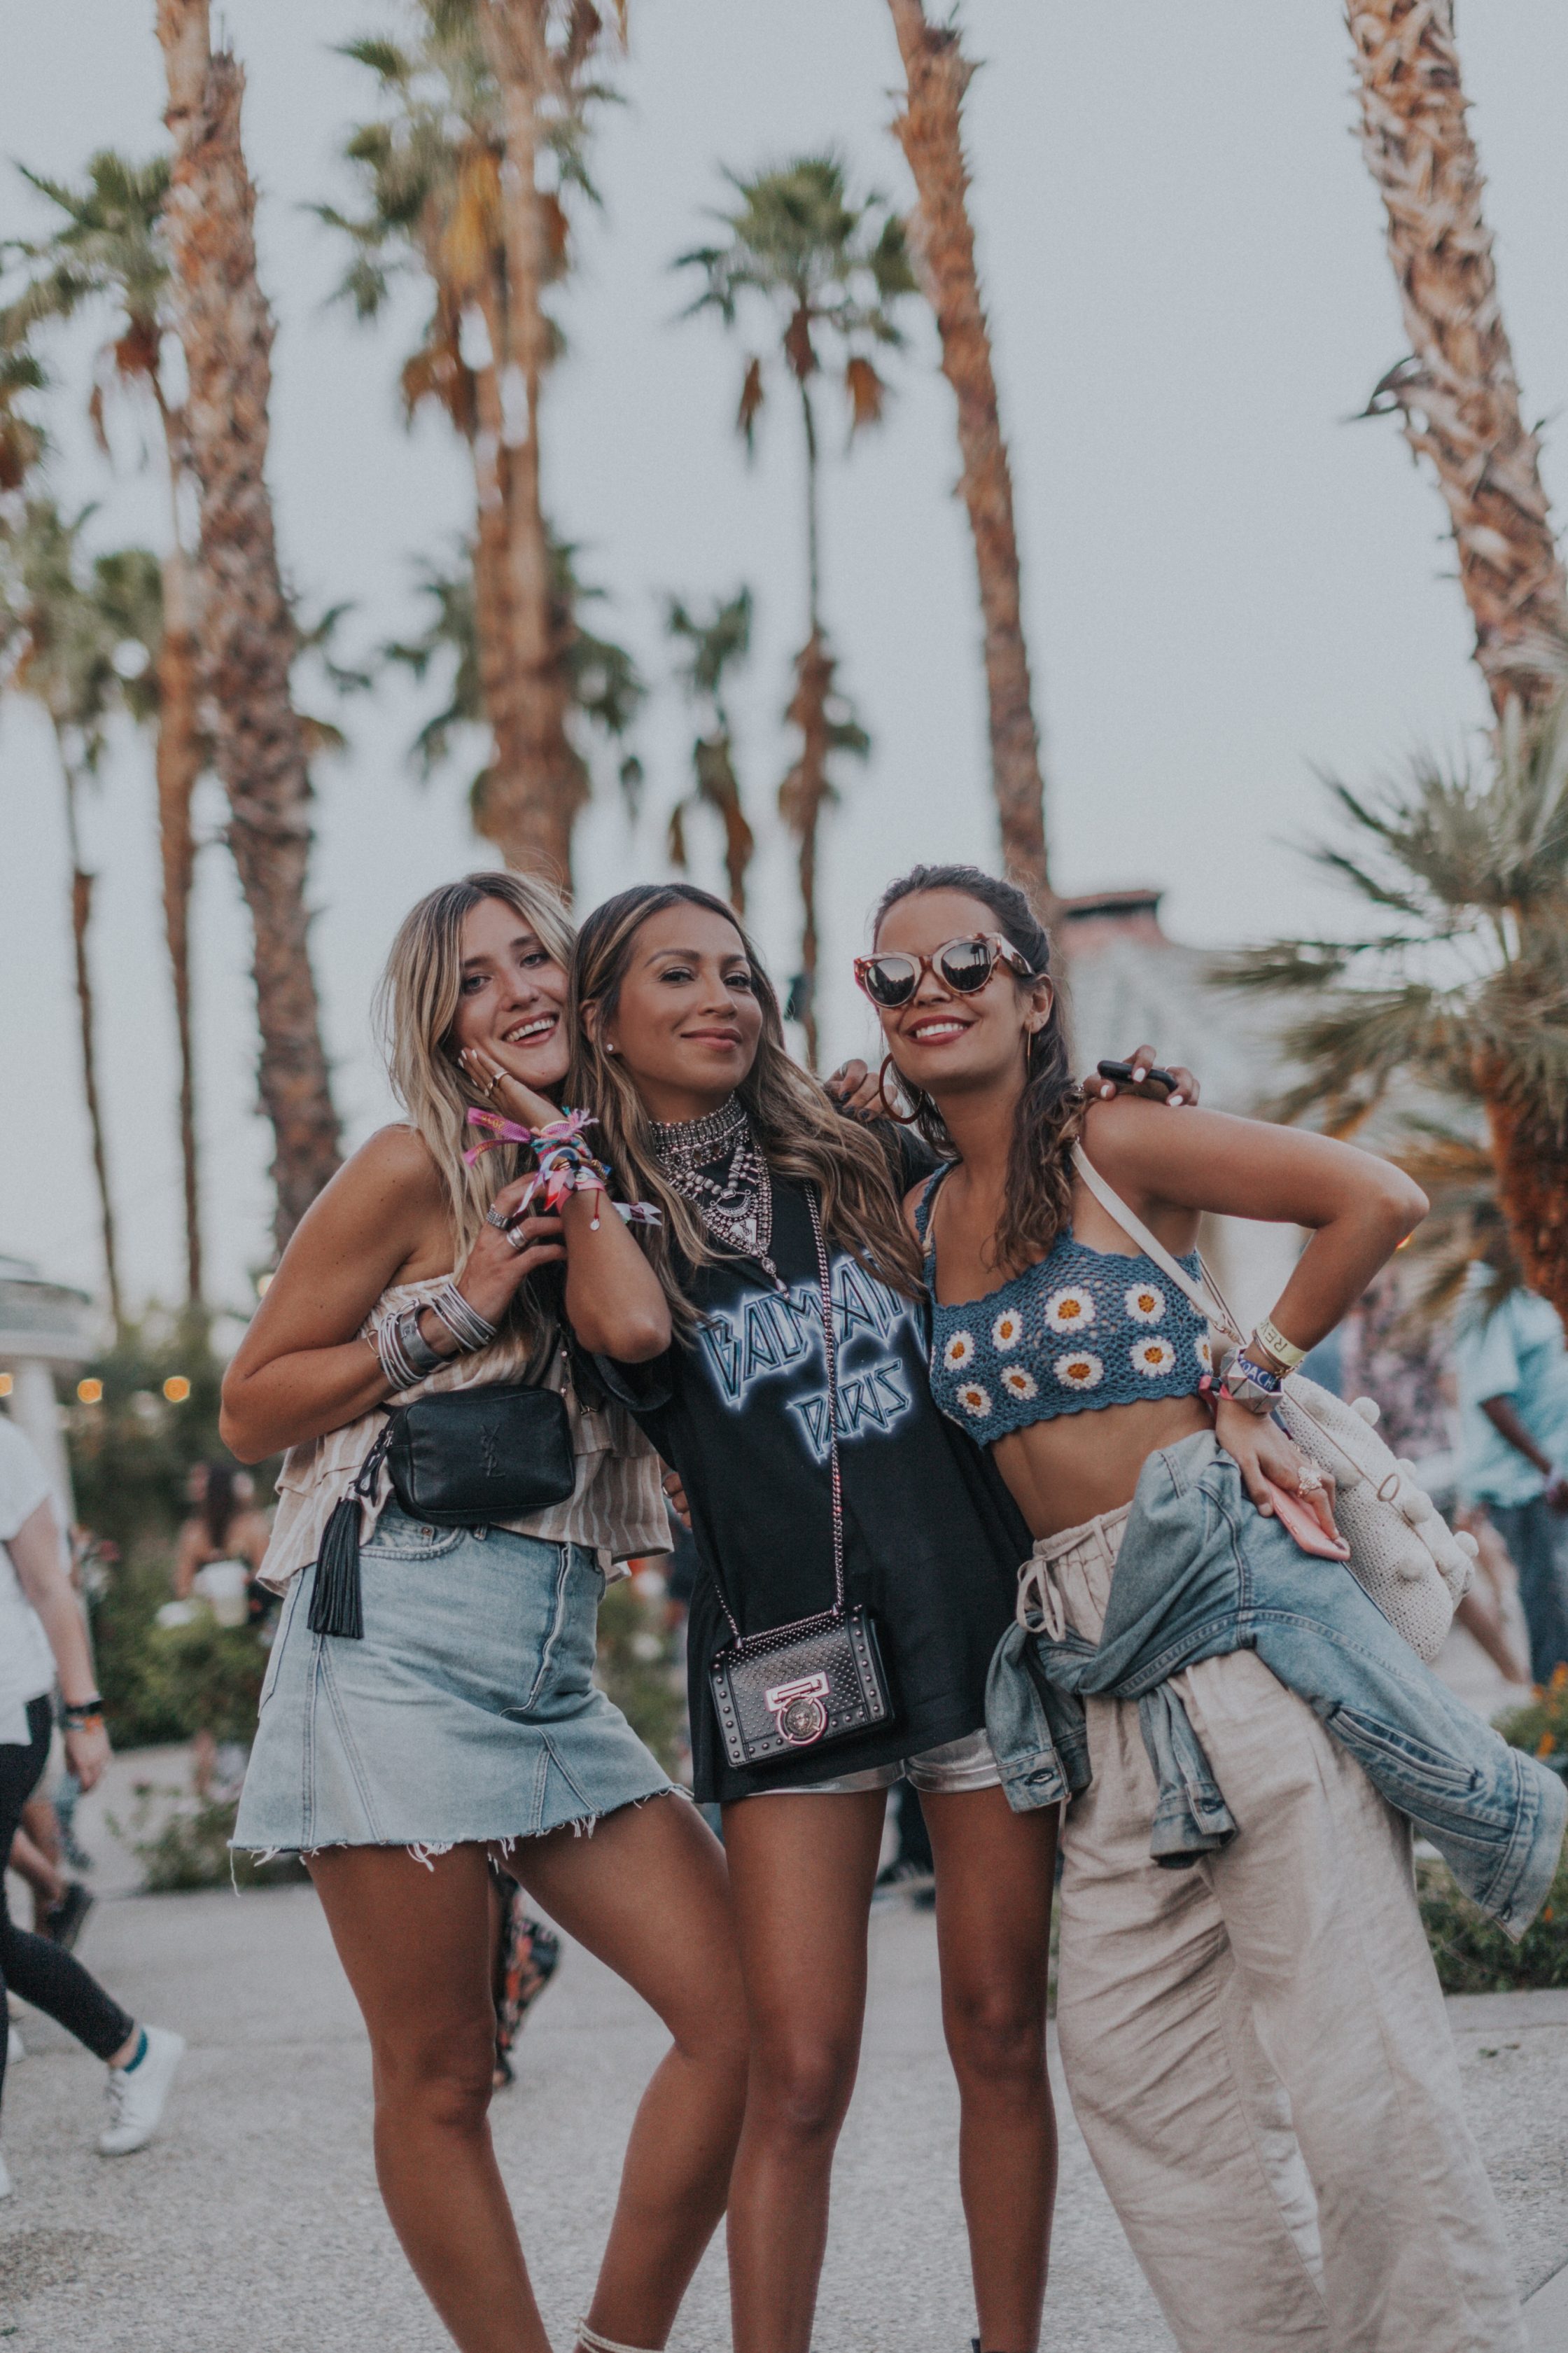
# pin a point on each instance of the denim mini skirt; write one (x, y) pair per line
(468, 1712)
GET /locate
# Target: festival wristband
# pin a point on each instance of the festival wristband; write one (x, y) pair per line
(87, 1717)
(1249, 1385)
(1284, 1352)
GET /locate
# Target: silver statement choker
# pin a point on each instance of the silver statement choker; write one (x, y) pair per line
(736, 1207)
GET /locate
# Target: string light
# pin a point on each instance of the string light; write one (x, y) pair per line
(90, 1392)
(5, 1384)
(176, 1388)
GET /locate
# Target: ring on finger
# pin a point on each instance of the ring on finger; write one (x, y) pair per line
(517, 1238)
(1309, 1480)
(499, 1218)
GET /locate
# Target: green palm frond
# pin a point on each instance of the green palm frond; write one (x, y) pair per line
(1456, 988)
(821, 261)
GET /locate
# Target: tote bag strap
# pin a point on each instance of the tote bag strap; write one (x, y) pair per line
(1205, 1295)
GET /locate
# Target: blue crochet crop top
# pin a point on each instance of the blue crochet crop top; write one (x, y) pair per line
(1084, 1329)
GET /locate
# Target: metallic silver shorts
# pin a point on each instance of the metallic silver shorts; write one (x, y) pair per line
(966, 1764)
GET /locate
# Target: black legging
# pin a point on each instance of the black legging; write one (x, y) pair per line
(31, 1966)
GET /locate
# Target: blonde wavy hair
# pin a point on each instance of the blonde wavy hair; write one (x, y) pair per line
(802, 1134)
(416, 1009)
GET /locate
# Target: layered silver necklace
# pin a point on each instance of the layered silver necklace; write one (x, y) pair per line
(737, 1205)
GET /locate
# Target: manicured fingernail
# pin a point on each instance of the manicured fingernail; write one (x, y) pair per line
(1139, 1075)
(1177, 1099)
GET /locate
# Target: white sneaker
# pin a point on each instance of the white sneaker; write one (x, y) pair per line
(136, 2094)
(15, 2049)
(5, 2180)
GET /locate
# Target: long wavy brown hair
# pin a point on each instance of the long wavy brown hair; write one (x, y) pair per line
(802, 1135)
(1048, 1117)
(416, 1008)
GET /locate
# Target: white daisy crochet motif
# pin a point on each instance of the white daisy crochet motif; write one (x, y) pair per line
(1152, 1358)
(1071, 1310)
(974, 1400)
(1146, 1301)
(1018, 1383)
(1008, 1330)
(1081, 1370)
(1203, 1352)
(959, 1351)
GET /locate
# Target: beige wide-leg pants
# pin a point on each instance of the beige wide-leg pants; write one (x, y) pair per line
(1257, 2048)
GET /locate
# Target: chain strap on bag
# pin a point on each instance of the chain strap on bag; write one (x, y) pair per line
(822, 1679)
(1404, 1555)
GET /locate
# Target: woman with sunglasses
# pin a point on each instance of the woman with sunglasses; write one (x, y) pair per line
(1255, 2045)
(814, 1463)
(460, 1727)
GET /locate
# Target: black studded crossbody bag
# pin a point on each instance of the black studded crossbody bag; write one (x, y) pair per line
(820, 1680)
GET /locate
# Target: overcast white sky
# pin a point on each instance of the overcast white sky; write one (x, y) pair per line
(1228, 585)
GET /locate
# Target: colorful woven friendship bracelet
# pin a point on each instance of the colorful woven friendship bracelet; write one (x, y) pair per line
(563, 1164)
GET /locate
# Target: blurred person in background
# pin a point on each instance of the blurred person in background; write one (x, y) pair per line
(219, 1554)
(1512, 1366)
(1406, 1364)
(221, 1547)
(42, 1636)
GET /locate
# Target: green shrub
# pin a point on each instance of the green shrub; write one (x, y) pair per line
(124, 1616)
(636, 1671)
(205, 1677)
(190, 1848)
(167, 1683)
(1474, 1955)
(1542, 1728)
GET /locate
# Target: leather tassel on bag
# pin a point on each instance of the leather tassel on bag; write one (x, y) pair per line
(336, 1604)
(336, 1607)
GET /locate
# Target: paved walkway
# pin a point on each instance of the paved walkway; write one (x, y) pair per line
(254, 2223)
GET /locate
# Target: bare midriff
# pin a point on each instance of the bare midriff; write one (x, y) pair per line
(1071, 1468)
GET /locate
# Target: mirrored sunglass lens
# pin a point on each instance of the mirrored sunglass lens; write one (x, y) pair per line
(890, 979)
(967, 964)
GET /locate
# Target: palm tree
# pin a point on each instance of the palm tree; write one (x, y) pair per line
(830, 271)
(109, 249)
(61, 627)
(717, 645)
(931, 133)
(246, 632)
(21, 436)
(1459, 987)
(605, 688)
(466, 176)
(1457, 393)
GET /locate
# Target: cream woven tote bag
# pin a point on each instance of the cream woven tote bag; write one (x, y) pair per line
(1403, 1552)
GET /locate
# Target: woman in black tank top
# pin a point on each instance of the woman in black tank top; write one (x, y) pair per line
(681, 1057)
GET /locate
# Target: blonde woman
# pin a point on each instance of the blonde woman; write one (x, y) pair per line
(462, 1722)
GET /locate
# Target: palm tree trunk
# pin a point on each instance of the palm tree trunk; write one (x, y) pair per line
(1531, 1157)
(500, 679)
(813, 517)
(178, 766)
(802, 795)
(81, 916)
(1458, 393)
(931, 133)
(530, 814)
(247, 638)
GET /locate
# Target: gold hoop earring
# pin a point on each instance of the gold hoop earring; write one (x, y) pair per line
(904, 1118)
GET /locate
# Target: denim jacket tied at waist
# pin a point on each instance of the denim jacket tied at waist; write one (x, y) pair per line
(1201, 1573)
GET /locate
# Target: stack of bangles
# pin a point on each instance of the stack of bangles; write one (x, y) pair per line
(562, 1166)
(1252, 1375)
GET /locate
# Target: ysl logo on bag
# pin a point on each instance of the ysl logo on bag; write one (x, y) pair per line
(490, 1448)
